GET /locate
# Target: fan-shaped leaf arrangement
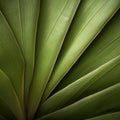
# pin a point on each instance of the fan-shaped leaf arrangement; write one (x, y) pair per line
(59, 60)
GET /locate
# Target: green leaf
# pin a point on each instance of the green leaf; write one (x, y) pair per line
(73, 92)
(29, 18)
(105, 47)
(54, 21)
(9, 96)
(22, 16)
(47, 42)
(11, 59)
(11, 11)
(110, 116)
(88, 22)
(99, 103)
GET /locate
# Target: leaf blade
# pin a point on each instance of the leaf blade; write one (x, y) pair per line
(106, 42)
(55, 26)
(73, 92)
(71, 51)
(93, 101)
(110, 116)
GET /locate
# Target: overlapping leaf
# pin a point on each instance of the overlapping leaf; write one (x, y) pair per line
(105, 47)
(11, 59)
(87, 23)
(22, 16)
(55, 18)
(73, 92)
(110, 116)
(89, 88)
(29, 18)
(89, 106)
(9, 96)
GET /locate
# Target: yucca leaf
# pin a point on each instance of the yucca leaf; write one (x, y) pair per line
(11, 59)
(90, 106)
(88, 22)
(110, 116)
(71, 44)
(29, 19)
(11, 11)
(9, 96)
(105, 47)
(73, 92)
(22, 16)
(55, 18)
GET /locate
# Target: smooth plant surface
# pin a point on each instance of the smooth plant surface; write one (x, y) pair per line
(59, 59)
